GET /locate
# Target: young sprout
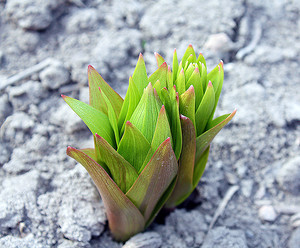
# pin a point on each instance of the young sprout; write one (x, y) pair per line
(152, 146)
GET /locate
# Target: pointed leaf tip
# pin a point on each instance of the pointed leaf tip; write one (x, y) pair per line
(164, 64)
(63, 96)
(209, 84)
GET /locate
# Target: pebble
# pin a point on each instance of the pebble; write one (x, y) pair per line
(23, 95)
(82, 19)
(54, 76)
(219, 42)
(288, 176)
(144, 240)
(267, 213)
(29, 14)
(28, 41)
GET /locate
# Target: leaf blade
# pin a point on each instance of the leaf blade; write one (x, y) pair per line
(122, 171)
(184, 184)
(203, 141)
(92, 118)
(98, 82)
(154, 179)
(133, 146)
(124, 218)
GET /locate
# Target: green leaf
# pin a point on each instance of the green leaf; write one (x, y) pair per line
(180, 68)
(96, 97)
(216, 121)
(159, 59)
(188, 72)
(134, 146)
(200, 167)
(161, 133)
(90, 152)
(174, 66)
(169, 78)
(96, 82)
(132, 99)
(145, 115)
(189, 51)
(180, 83)
(187, 104)
(161, 202)
(184, 185)
(154, 180)
(122, 171)
(205, 109)
(192, 59)
(112, 118)
(124, 218)
(203, 77)
(140, 76)
(160, 74)
(201, 59)
(196, 82)
(203, 141)
(162, 129)
(216, 76)
(96, 121)
(171, 103)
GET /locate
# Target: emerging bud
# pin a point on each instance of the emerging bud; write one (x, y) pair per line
(151, 147)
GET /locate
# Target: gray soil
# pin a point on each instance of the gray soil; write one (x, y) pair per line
(249, 195)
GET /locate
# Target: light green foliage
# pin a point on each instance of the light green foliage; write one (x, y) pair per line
(152, 147)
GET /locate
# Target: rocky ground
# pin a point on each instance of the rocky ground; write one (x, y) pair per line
(249, 195)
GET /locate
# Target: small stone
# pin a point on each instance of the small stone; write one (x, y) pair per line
(267, 213)
(29, 14)
(219, 43)
(246, 188)
(28, 41)
(82, 19)
(23, 95)
(15, 127)
(144, 240)
(55, 76)
(221, 237)
(294, 239)
(288, 176)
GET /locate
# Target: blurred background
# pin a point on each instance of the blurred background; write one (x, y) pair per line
(249, 195)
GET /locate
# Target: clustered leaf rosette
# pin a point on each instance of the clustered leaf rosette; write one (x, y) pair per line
(151, 147)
